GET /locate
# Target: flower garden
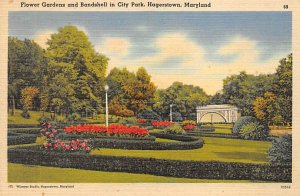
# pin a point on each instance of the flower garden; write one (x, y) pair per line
(181, 152)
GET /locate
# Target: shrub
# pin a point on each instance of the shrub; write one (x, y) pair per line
(25, 114)
(16, 139)
(161, 167)
(149, 115)
(205, 129)
(280, 152)
(174, 129)
(241, 122)
(177, 117)
(188, 122)
(254, 131)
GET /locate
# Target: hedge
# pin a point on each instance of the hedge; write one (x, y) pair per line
(205, 129)
(16, 139)
(145, 145)
(22, 131)
(187, 142)
(218, 135)
(71, 136)
(23, 125)
(161, 167)
(178, 137)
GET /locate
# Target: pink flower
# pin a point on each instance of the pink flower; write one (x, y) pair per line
(54, 131)
(87, 148)
(82, 145)
(51, 135)
(68, 147)
(62, 144)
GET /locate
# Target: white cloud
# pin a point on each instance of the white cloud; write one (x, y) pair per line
(115, 46)
(191, 65)
(177, 46)
(41, 38)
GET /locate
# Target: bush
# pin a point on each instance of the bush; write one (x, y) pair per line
(44, 119)
(280, 152)
(16, 139)
(161, 167)
(241, 122)
(188, 122)
(174, 129)
(205, 129)
(217, 135)
(25, 114)
(149, 115)
(254, 131)
(176, 117)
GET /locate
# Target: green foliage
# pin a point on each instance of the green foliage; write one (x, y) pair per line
(281, 151)
(148, 114)
(185, 98)
(27, 66)
(76, 71)
(174, 129)
(241, 122)
(267, 107)
(133, 92)
(254, 131)
(177, 117)
(188, 122)
(283, 88)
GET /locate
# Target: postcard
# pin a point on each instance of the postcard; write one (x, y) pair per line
(149, 97)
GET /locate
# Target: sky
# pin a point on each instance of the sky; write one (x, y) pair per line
(198, 48)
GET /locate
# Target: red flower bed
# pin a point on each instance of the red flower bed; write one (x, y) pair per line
(162, 123)
(189, 127)
(53, 143)
(113, 129)
(142, 121)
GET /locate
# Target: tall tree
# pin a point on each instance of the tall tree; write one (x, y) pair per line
(27, 66)
(283, 87)
(77, 71)
(266, 108)
(141, 93)
(184, 98)
(242, 89)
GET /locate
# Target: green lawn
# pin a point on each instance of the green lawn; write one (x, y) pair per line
(214, 149)
(165, 140)
(19, 173)
(18, 119)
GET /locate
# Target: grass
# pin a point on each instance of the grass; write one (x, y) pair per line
(214, 149)
(34, 116)
(165, 140)
(18, 173)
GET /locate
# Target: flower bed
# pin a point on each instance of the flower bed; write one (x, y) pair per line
(111, 130)
(161, 124)
(54, 144)
(189, 127)
(141, 121)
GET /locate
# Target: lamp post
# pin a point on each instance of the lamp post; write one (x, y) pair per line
(106, 105)
(171, 105)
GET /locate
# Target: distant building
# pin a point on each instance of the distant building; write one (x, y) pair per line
(217, 113)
